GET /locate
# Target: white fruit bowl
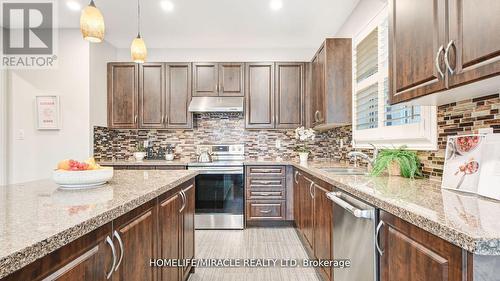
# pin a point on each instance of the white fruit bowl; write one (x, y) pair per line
(82, 179)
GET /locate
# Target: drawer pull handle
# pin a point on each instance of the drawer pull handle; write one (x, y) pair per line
(265, 211)
(295, 177)
(377, 245)
(446, 57)
(265, 194)
(113, 251)
(267, 171)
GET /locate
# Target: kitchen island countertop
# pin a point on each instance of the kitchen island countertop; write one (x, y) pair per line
(37, 218)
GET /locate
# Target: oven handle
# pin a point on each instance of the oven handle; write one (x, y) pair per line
(364, 214)
(218, 172)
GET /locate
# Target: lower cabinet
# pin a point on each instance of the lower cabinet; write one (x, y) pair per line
(314, 218)
(176, 231)
(135, 234)
(323, 228)
(411, 253)
(122, 249)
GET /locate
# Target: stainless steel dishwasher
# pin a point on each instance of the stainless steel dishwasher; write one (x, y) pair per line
(354, 237)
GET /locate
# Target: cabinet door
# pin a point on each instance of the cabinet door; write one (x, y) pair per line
(296, 198)
(152, 96)
(205, 79)
(474, 47)
(178, 96)
(410, 253)
(169, 235)
(231, 77)
(323, 223)
(318, 88)
(307, 211)
(123, 88)
(188, 227)
(87, 258)
(417, 40)
(137, 231)
(259, 96)
(289, 95)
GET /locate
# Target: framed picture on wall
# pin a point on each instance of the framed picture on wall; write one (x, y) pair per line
(48, 112)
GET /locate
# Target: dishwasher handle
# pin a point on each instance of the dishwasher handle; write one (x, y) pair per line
(364, 214)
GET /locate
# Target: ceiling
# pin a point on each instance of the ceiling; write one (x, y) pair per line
(217, 23)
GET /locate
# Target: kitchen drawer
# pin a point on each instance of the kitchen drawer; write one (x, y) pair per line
(266, 210)
(265, 194)
(266, 171)
(268, 183)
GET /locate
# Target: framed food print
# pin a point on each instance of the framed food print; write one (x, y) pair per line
(472, 164)
(48, 112)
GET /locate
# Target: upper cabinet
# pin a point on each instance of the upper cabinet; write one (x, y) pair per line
(274, 95)
(149, 96)
(260, 96)
(474, 40)
(123, 88)
(434, 47)
(218, 79)
(178, 96)
(289, 95)
(331, 84)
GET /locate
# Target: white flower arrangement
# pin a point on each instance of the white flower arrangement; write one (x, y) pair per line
(304, 135)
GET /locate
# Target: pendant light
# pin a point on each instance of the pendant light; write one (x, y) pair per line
(92, 24)
(138, 48)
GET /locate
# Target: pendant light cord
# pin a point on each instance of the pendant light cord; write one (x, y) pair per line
(138, 19)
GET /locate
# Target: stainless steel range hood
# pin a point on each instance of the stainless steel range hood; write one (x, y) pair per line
(216, 104)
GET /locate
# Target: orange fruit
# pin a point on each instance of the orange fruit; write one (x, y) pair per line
(63, 165)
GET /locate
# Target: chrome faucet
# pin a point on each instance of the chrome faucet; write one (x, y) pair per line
(355, 154)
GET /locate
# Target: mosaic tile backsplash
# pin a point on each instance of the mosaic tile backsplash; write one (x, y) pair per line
(459, 118)
(227, 128)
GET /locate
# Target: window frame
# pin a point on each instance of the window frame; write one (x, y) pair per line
(416, 136)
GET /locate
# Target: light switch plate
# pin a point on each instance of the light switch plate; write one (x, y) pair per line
(278, 144)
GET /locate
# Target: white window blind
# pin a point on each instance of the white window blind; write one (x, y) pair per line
(374, 119)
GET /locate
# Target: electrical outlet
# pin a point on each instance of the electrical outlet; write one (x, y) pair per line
(278, 144)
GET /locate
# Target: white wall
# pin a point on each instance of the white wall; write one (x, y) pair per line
(3, 127)
(35, 156)
(100, 55)
(364, 12)
(226, 55)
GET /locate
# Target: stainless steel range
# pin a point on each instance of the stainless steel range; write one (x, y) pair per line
(219, 186)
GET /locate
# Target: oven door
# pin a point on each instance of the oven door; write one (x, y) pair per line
(219, 198)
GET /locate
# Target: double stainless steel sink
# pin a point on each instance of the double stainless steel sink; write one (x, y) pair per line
(344, 171)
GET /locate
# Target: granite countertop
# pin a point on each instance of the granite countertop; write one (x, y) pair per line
(468, 221)
(175, 162)
(37, 218)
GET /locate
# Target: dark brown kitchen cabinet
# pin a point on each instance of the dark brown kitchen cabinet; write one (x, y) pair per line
(274, 95)
(135, 233)
(218, 79)
(149, 96)
(205, 79)
(169, 234)
(87, 258)
(417, 38)
(289, 95)
(306, 202)
(323, 226)
(231, 79)
(178, 96)
(187, 227)
(266, 190)
(259, 86)
(439, 45)
(474, 41)
(152, 96)
(331, 89)
(123, 89)
(411, 253)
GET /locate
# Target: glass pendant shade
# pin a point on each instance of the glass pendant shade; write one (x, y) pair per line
(138, 50)
(92, 24)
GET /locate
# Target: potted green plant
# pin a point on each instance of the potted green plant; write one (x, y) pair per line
(397, 162)
(303, 136)
(140, 152)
